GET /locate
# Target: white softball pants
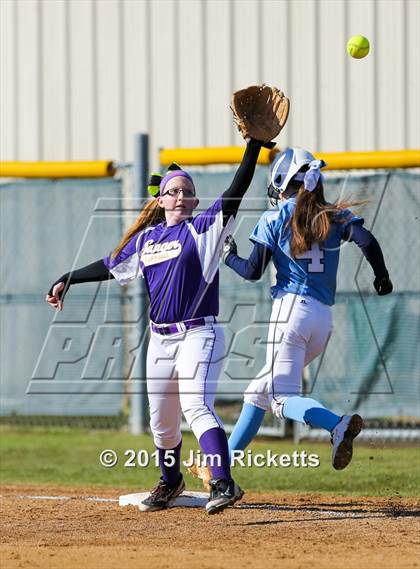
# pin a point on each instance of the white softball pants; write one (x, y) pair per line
(182, 375)
(299, 329)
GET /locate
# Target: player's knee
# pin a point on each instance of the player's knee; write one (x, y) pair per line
(167, 442)
(165, 436)
(257, 399)
(195, 411)
(277, 405)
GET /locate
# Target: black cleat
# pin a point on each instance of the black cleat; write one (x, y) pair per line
(223, 493)
(162, 496)
(342, 437)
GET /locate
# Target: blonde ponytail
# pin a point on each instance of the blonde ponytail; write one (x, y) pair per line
(151, 214)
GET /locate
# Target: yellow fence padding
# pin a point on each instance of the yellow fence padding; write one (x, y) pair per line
(96, 169)
(336, 160)
(385, 159)
(207, 156)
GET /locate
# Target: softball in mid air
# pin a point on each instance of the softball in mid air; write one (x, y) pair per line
(358, 47)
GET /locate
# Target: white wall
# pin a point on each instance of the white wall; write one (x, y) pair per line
(80, 77)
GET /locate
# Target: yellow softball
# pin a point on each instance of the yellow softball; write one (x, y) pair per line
(358, 47)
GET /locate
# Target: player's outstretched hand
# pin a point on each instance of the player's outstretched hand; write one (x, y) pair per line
(54, 297)
(383, 286)
(229, 247)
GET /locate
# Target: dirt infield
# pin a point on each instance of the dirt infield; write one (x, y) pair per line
(292, 531)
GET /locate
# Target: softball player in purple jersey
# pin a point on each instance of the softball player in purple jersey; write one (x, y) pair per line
(302, 237)
(178, 257)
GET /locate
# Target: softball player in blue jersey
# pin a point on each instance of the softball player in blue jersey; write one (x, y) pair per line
(302, 237)
(178, 257)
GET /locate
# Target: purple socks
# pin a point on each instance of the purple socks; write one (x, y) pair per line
(170, 464)
(214, 442)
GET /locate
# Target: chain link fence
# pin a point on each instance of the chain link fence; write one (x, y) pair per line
(371, 363)
(49, 227)
(76, 363)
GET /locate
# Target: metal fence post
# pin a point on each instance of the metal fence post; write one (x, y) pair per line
(138, 399)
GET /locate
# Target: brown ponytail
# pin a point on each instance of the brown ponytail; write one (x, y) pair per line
(151, 214)
(312, 218)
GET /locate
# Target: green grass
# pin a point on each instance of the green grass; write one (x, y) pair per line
(70, 456)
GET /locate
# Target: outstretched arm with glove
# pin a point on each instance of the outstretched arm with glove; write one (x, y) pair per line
(260, 112)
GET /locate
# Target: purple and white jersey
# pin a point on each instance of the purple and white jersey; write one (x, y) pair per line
(179, 265)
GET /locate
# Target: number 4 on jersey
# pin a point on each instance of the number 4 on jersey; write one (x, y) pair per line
(316, 256)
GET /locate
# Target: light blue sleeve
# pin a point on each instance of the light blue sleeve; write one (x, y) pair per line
(266, 230)
(345, 219)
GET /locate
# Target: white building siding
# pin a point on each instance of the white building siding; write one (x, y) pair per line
(80, 77)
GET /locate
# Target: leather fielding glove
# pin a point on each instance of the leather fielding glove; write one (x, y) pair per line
(260, 112)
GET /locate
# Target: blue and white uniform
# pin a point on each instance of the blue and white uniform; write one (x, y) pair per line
(301, 319)
(313, 273)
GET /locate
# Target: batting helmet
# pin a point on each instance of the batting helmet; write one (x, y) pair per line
(290, 165)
